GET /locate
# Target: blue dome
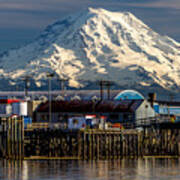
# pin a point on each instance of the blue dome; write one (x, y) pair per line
(129, 94)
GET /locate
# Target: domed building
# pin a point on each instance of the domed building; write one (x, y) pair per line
(129, 94)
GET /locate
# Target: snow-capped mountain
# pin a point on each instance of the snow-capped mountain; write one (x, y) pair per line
(98, 44)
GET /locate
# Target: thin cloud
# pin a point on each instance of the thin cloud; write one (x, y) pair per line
(37, 14)
(55, 5)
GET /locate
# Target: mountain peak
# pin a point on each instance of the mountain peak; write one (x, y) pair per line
(98, 44)
(102, 11)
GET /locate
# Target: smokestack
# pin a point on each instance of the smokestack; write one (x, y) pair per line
(152, 98)
(101, 90)
(108, 90)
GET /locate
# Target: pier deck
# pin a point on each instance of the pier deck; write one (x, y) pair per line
(45, 143)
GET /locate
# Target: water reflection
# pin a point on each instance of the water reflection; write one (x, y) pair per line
(125, 169)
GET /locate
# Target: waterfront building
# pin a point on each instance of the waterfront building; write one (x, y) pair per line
(119, 106)
(114, 111)
(168, 108)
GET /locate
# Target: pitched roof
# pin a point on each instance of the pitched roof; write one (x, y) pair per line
(83, 106)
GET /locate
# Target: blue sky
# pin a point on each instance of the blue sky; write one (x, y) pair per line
(22, 21)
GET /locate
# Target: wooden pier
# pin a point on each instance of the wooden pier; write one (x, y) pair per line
(45, 143)
(99, 144)
(84, 144)
(12, 138)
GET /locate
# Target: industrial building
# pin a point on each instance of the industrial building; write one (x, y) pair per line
(126, 106)
(122, 111)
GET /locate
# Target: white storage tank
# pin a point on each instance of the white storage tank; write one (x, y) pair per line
(5, 109)
(2, 108)
(20, 108)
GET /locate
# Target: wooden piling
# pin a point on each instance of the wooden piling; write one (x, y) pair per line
(85, 144)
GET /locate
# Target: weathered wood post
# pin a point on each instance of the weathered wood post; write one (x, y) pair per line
(4, 137)
(178, 142)
(80, 144)
(139, 144)
(21, 138)
(9, 139)
(85, 144)
(98, 146)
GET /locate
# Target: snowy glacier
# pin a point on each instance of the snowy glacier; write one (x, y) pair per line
(97, 44)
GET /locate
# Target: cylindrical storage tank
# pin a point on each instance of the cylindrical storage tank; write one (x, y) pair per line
(8, 109)
(23, 109)
(20, 108)
(5, 109)
(15, 108)
(2, 108)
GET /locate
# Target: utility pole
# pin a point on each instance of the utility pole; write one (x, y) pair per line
(107, 84)
(50, 76)
(63, 81)
(101, 89)
(26, 80)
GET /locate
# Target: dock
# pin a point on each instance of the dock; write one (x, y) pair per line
(86, 144)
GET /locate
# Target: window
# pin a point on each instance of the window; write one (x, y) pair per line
(127, 117)
(113, 118)
(44, 117)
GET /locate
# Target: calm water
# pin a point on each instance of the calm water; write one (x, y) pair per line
(140, 169)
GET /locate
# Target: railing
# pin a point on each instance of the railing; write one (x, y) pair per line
(128, 125)
(38, 126)
(152, 120)
(147, 122)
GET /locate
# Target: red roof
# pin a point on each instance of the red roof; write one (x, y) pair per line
(9, 101)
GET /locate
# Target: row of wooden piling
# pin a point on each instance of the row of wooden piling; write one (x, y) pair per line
(108, 144)
(160, 142)
(51, 143)
(12, 138)
(17, 143)
(103, 144)
(85, 144)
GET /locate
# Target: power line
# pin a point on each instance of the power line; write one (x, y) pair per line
(26, 80)
(107, 84)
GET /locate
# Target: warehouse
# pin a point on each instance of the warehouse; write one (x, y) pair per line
(116, 111)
